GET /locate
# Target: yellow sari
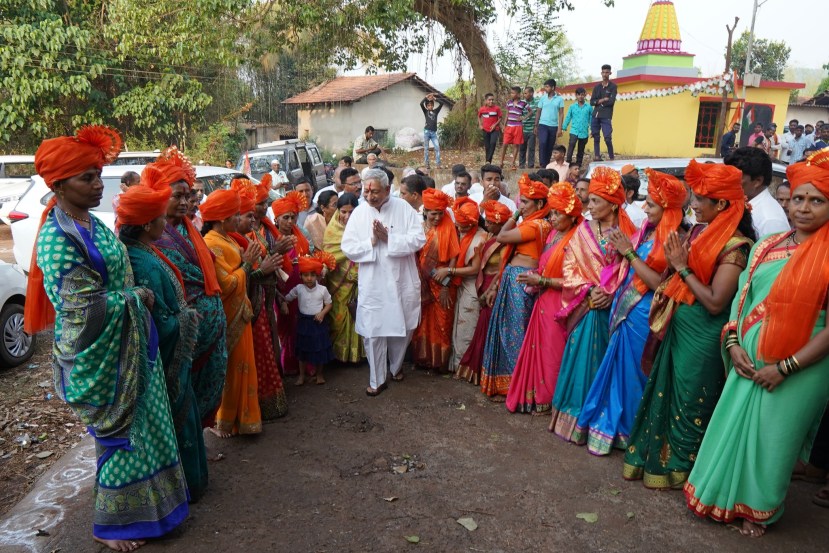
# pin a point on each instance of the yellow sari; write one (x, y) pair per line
(239, 411)
(342, 284)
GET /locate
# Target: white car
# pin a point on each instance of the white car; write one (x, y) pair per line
(16, 347)
(26, 215)
(15, 177)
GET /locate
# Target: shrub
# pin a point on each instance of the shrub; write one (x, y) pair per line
(459, 129)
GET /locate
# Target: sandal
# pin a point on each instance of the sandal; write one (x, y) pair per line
(398, 377)
(374, 392)
(808, 473)
(821, 498)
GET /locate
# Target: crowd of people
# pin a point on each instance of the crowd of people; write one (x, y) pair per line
(693, 338)
(797, 142)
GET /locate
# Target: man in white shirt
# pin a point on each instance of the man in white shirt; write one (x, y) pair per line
(279, 180)
(371, 159)
(382, 237)
(411, 190)
(558, 163)
(767, 217)
(632, 200)
(582, 187)
(337, 187)
(491, 180)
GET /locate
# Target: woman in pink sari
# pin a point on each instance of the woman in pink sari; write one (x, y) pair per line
(536, 371)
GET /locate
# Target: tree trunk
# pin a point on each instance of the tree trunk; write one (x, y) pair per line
(460, 23)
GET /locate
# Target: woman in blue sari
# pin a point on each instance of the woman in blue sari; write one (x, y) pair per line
(608, 412)
(105, 354)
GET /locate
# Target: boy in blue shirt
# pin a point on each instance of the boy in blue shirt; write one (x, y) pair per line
(579, 115)
(547, 120)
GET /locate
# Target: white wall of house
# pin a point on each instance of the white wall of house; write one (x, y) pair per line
(335, 127)
(807, 114)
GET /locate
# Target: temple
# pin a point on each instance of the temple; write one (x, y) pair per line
(659, 50)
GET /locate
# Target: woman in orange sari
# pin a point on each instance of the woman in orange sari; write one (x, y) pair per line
(495, 215)
(536, 371)
(513, 304)
(432, 340)
(239, 411)
(285, 212)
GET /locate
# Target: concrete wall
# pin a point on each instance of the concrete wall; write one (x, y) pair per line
(335, 127)
(805, 114)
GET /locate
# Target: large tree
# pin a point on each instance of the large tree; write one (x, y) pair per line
(768, 57)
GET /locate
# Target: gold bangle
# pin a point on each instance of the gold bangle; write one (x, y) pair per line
(795, 362)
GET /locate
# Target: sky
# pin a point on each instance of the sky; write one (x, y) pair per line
(702, 26)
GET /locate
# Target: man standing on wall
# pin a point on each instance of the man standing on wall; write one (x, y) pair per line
(526, 154)
(550, 113)
(430, 128)
(602, 100)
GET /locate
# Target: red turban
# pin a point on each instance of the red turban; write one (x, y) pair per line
(57, 159)
(314, 263)
(175, 167)
(495, 211)
(562, 197)
(220, 205)
(717, 182)
(67, 156)
(247, 194)
(607, 184)
(466, 211)
(436, 200)
(531, 189)
(141, 204)
(799, 292)
(264, 188)
(293, 202)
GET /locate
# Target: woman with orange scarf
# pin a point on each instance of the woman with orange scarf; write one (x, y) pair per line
(141, 219)
(285, 212)
(262, 291)
(182, 244)
(777, 344)
(106, 349)
(688, 312)
(431, 342)
(496, 215)
(513, 305)
(607, 416)
(465, 274)
(593, 271)
(239, 411)
(536, 371)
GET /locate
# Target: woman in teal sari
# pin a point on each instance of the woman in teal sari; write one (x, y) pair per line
(688, 311)
(182, 244)
(778, 345)
(105, 354)
(141, 216)
(607, 416)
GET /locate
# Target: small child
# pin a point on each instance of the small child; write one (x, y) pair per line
(313, 339)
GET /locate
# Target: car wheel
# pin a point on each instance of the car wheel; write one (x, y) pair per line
(16, 347)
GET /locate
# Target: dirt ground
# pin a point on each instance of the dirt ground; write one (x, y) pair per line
(345, 472)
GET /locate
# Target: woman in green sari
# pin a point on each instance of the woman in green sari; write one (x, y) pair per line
(105, 354)
(778, 345)
(342, 283)
(141, 216)
(688, 311)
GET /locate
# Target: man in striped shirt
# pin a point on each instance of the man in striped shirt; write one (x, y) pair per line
(514, 130)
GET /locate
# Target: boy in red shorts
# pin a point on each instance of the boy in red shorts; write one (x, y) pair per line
(514, 129)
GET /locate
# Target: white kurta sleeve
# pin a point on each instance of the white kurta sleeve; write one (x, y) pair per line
(356, 243)
(409, 238)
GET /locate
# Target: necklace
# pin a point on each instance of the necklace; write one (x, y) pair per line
(602, 239)
(791, 240)
(79, 219)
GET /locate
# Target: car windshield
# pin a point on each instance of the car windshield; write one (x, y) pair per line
(136, 160)
(261, 163)
(216, 182)
(22, 170)
(112, 185)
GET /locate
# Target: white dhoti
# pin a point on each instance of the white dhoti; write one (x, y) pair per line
(385, 354)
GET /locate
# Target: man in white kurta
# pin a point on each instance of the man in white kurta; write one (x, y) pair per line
(383, 235)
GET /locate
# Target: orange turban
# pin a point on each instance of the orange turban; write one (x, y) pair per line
(264, 188)
(495, 211)
(141, 204)
(799, 292)
(66, 156)
(436, 200)
(175, 167)
(247, 194)
(293, 202)
(466, 211)
(717, 182)
(562, 197)
(627, 169)
(531, 189)
(57, 159)
(607, 184)
(668, 192)
(315, 263)
(220, 205)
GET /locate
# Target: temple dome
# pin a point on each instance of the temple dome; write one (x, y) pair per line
(660, 33)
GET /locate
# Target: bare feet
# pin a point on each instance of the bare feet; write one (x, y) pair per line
(752, 530)
(319, 379)
(822, 496)
(121, 545)
(220, 433)
(300, 381)
(497, 399)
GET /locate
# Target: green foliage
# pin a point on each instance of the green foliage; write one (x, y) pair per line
(459, 129)
(219, 142)
(768, 57)
(824, 84)
(461, 89)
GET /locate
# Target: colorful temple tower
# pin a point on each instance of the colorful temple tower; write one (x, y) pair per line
(659, 50)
